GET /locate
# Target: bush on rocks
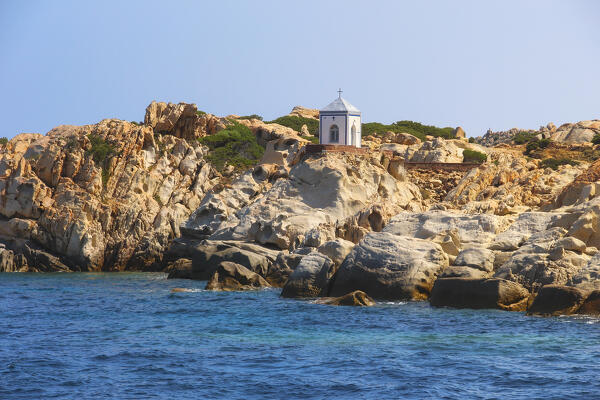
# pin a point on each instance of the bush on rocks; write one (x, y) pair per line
(474, 156)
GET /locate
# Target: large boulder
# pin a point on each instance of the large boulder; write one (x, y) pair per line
(588, 277)
(477, 229)
(479, 293)
(539, 262)
(591, 305)
(580, 132)
(300, 111)
(474, 262)
(557, 300)
(336, 249)
(311, 278)
(182, 120)
(180, 269)
(235, 277)
(387, 266)
(438, 151)
(459, 133)
(356, 298)
(206, 255)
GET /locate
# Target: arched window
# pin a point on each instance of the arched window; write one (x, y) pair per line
(353, 141)
(334, 134)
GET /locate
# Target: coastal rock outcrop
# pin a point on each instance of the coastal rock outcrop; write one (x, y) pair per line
(387, 266)
(356, 298)
(557, 300)
(229, 276)
(311, 278)
(206, 255)
(181, 120)
(108, 196)
(479, 293)
(320, 195)
(580, 132)
(438, 150)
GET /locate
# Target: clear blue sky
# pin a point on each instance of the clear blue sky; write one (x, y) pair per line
(478, 64)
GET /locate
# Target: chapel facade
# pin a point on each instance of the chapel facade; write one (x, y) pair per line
(340, 123)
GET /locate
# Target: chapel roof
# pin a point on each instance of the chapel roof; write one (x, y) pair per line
(340, 104)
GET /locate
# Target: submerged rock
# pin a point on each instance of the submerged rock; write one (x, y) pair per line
(356, 298)
(230, 276)
(479, 293)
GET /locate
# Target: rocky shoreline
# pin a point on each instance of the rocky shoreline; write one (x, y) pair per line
(510, 234)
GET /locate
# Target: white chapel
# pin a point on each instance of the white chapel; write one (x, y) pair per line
(339, 123)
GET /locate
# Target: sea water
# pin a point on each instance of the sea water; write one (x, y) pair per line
(128, 336)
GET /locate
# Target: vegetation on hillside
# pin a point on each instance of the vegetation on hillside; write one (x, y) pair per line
(535, 145)
(3, 140)
(295, 122)
(554, 163)
(596, 138)
(525, 137)
(253, 116)
(100, 151)
(236, 145)
(414, 128)
(474, 156)
(312, 139)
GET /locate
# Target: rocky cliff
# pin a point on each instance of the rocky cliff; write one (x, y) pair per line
(119, 195)
(108, 196)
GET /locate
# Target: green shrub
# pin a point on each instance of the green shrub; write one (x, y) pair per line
(253, 116)
(414, 128)
(524, 137)
(543, 143)
(100, 149)
(596, 138)
(200, 113)
(295, 122)
(531, 146)
(312, 139)
(474, 156)
(471, 140)
(554, 163)
(236, 145)
(3, 140)
(536, 144)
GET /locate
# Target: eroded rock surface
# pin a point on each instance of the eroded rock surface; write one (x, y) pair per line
(229, 276)
(387, 266)
(356, 298)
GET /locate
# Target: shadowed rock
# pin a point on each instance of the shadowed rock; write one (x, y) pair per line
(479, 293)
(356, 298)
(556, 300)
(591, 305)
(234, 277)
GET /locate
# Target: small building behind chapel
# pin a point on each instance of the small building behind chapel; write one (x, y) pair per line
(340, 124)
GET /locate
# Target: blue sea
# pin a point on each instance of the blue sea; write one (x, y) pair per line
(127, 336)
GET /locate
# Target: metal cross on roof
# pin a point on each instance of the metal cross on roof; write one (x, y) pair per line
(340, 93)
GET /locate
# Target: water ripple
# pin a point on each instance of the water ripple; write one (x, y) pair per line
(129, 336)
